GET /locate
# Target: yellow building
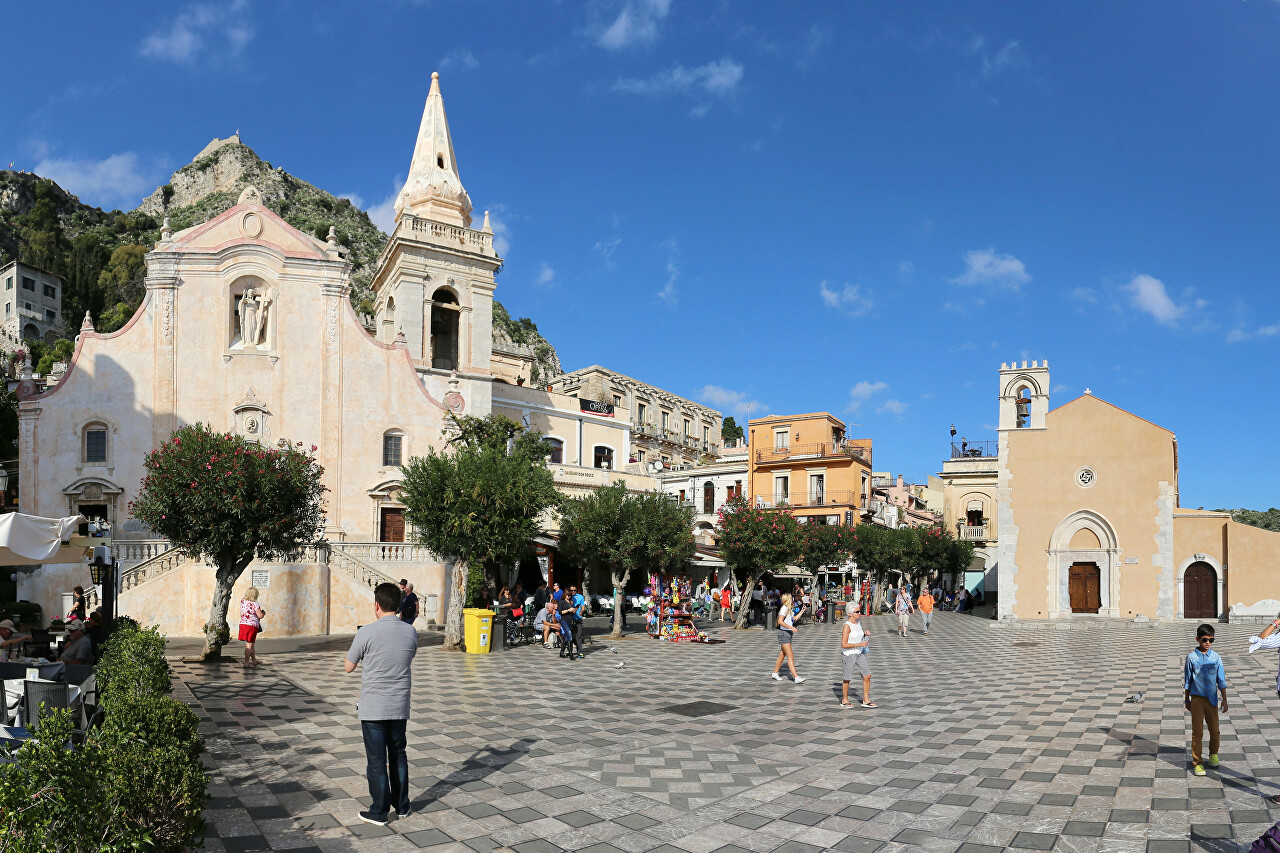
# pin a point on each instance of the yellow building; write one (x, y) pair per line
(808, 464)
(1087, 522)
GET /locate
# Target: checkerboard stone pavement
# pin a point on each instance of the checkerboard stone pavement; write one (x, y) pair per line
(988, 737)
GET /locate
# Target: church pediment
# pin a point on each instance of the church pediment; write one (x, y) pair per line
(248, 222)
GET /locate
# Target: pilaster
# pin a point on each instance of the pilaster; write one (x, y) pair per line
(1007, 535)
(1163, 557)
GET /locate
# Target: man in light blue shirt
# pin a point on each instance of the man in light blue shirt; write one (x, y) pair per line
(1203, 679)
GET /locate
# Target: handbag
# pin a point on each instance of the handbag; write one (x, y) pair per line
(517, 612)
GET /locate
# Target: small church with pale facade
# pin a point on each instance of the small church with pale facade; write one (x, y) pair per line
(1076, 513)
(247, 326)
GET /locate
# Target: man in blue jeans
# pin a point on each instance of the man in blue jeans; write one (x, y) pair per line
(386, 648)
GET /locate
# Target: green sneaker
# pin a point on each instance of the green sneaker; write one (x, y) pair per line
(1198, 770)
(1213, 760)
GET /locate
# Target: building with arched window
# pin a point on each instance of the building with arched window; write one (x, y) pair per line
(32, 300)
(1077, 515)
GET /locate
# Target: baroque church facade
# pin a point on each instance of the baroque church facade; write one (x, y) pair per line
(247, 326)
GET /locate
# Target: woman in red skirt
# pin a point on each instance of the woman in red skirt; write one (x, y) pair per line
(250, 624)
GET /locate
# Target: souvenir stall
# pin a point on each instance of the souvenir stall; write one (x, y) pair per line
(670, 615)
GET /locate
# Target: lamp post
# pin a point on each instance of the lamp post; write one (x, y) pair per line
(102, 571)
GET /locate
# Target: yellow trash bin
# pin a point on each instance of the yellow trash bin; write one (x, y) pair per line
(477, 629)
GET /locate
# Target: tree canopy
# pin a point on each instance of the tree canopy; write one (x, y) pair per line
(479, 500)
(1268, 519)
(729, 429)
(753, 541)
(224, 498)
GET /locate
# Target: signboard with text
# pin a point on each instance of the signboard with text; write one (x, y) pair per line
(593, 407)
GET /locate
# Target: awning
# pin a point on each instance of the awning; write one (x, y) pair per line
(791, 572)
(27, 540)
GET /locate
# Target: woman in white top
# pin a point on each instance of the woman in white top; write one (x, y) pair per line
(786, 628)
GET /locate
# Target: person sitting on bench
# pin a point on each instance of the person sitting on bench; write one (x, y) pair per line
(547, 621)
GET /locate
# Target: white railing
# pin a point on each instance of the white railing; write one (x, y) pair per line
(463, 236)
(357, 568)
(139, 550)
(975, 533)
(150, 569)
(385, 552)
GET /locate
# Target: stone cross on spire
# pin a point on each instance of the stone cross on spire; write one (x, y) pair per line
(434, 191)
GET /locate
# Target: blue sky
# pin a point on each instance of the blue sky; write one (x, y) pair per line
(855, 207)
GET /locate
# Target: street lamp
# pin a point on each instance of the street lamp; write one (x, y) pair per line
(102, 571)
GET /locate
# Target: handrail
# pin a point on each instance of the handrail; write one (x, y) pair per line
(822, 450)
(385, 552)
(357, 568)
(975, 450)
(827, 497)
(152, 568)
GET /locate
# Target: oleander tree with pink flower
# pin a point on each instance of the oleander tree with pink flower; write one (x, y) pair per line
(226, 499)
(754, 541)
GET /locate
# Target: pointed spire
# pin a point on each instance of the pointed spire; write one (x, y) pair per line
(486, 229)
(434, 190)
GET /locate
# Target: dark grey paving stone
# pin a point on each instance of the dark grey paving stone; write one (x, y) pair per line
(859, 787)
(245, 844)
(1057, 800)
(804, 817)
(475, 811)
(267, 812)
(428, 837)
(1019, 809)
(858, 812)
(1098, 791)
(536, 845)
(1250, 816)
(970, 847)
(482, 844)
(746, 820)
(577, 819)
(998, 784)
(523, 814)
(957, 799)
(1205, 794)
(602, 847)
(812, 791)
(1136, 782)
(1037, 776)
(728, 848)
(850, 844)
(1086, 828)
(638, 821)
(560, 792)
(970, 819)
(1130, 816)
(1210, 830)
(1033, 841)
(909, 806)
(794, 846)
(368, 830)
(914, 836)
(1168, 846)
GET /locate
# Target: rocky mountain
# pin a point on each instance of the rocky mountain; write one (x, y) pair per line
(213, 181)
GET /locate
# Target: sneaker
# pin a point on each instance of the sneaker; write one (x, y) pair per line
(408, 811)
(1198, 770)
(775, 676)
(1213, 760)
(376, 820)
(800, 679)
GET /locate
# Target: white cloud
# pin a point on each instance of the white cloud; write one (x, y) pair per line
(222, 27)
(461, 59)
(740, 404)
(1084, 294)
(606, 248)
(114, 181)
(906, 269)
(668, 292)
(862, 392)
(383, 214)
(987, 267)
(546, 275)
(1240, 333)
(715, 79)
(850, 299)
(498, 220)
(1148, 294)
(637, 23)
(892, 407)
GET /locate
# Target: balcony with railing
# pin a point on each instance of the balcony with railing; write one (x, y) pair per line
(821, 450)
(975, 450)
(974, 533)
(804, 500)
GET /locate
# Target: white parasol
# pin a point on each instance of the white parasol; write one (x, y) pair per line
(31, 540)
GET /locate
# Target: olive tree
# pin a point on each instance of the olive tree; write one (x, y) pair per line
(224, 499)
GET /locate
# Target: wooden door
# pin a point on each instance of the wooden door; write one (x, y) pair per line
(708, 498)
(1085, 585)
(1200, 592)
(392, 525)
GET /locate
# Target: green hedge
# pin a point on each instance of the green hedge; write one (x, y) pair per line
(135, 783)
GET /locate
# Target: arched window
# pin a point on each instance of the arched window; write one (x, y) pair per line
(30, 332)
(95, 444)
(973, 514)
(556, 447)
(603, 456)
(392, 448)
(444, 330)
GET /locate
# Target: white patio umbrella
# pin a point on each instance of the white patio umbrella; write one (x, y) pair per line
(31, 540)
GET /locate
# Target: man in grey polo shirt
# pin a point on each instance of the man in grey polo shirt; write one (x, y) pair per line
(386, 648)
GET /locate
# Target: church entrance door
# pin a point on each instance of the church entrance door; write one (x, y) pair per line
(1085, 585)
(392, 525)
(1199, 592)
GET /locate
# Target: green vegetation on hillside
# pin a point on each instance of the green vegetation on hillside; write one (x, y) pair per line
(524, 332)
(1266, 519)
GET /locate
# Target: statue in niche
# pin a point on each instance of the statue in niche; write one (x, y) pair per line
(253, 309)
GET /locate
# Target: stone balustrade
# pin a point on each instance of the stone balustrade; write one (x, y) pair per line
(385, 552)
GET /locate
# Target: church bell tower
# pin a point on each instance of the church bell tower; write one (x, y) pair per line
(1024, 395)
(435, 280)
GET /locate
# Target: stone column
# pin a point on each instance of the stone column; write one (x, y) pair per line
(333, 399)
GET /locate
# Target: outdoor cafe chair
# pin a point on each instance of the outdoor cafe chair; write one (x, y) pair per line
(43, 694)
(5, 717)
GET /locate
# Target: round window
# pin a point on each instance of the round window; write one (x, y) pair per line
(1086, 477)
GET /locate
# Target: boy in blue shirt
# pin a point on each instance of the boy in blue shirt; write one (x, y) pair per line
(1203, 679)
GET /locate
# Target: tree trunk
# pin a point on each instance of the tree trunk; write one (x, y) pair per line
(619, 602)
(228, 572)
(744, 606)
(457, 601)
